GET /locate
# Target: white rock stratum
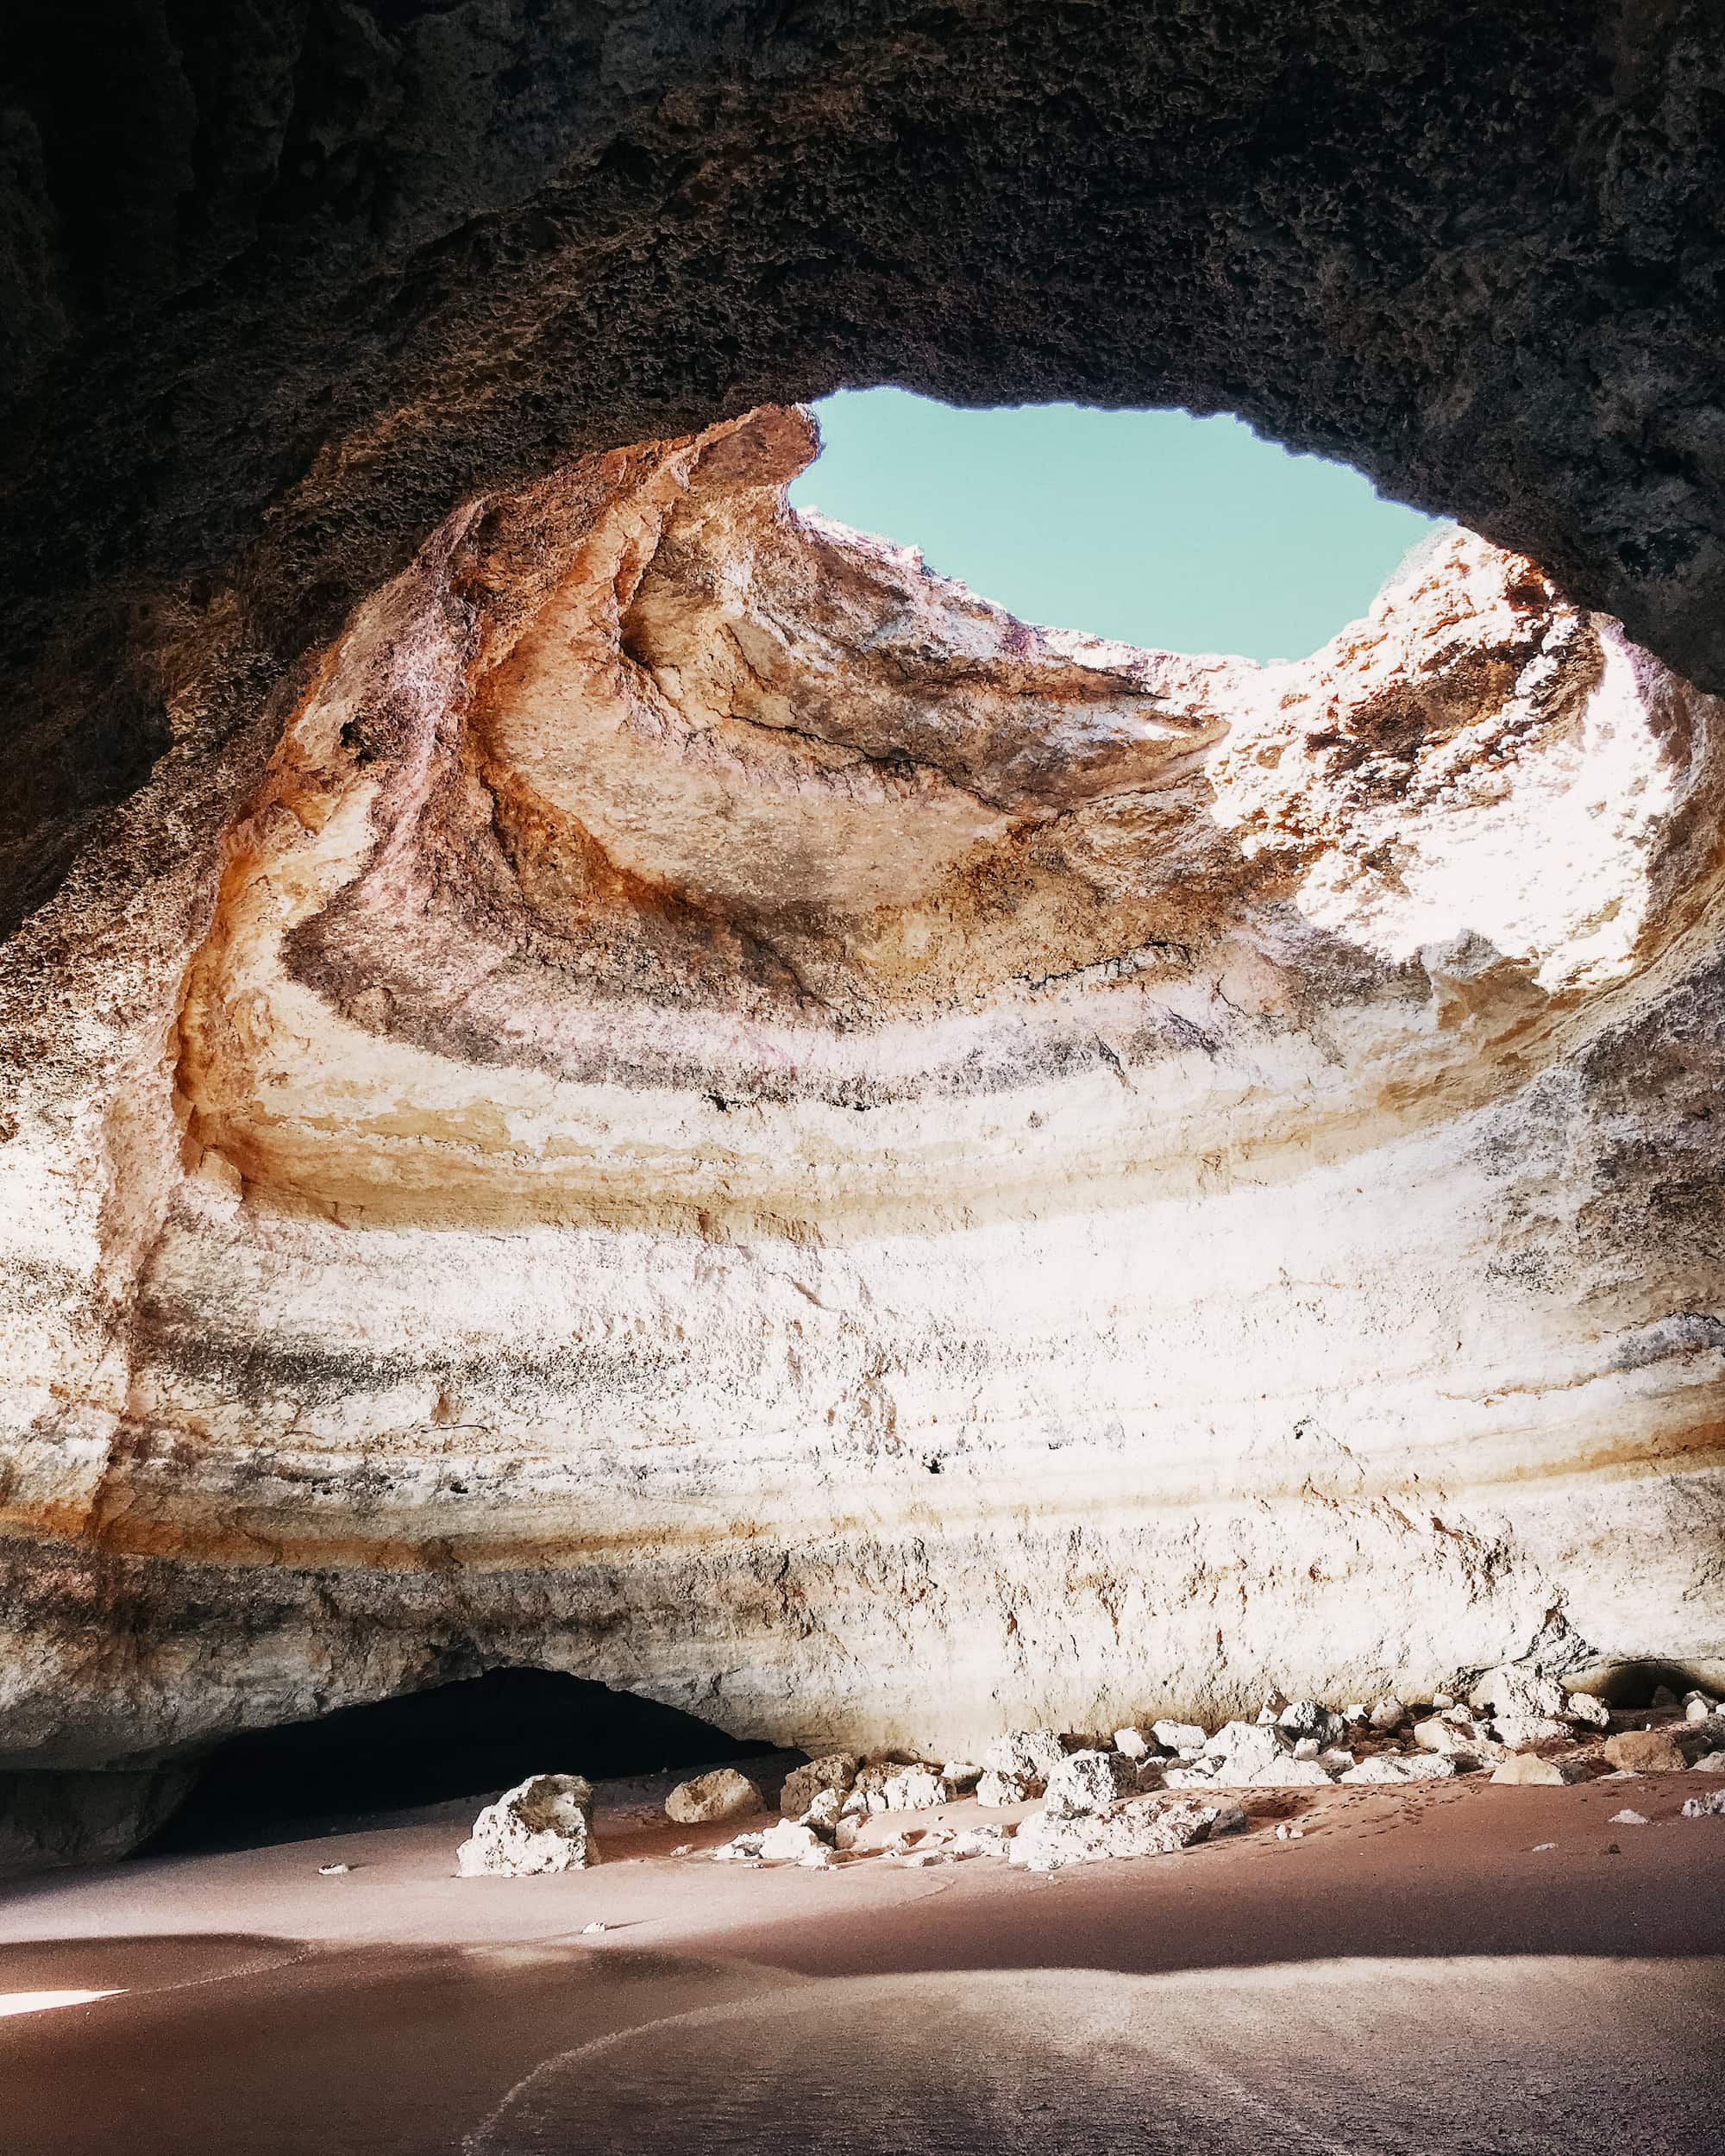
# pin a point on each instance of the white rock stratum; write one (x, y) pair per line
(704, 1108)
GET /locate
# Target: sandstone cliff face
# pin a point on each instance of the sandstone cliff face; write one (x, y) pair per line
(726, 1117)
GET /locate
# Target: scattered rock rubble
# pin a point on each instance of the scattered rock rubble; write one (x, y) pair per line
(1144, 1790)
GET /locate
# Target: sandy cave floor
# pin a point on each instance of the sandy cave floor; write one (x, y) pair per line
(1412, 1973)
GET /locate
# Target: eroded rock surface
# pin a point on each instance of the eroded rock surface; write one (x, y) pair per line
(736, 1121)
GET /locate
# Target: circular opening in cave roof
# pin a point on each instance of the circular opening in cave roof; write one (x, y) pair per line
(1166, 531)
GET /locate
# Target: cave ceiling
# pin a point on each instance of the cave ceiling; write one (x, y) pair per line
(281, 285)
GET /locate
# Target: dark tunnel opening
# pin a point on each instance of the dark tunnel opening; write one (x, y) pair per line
(469, 1740)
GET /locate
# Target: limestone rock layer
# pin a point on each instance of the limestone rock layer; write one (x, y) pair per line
(728, 1118)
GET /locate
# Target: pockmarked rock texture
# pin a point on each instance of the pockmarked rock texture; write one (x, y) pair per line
(1141, 1826)
(543, 1825)
(727, 1118)
(282, 287)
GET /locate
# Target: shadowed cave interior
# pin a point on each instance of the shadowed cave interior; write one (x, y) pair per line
(465, 1739)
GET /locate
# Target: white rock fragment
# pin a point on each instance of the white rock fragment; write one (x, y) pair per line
(543, 1825)
(1515, 1689)
(990, 1840)
(1185, 1738)
(1088, 1782)
(1527, 1769)
(1711, 1805)
(1592, 1713)
(588, 1929)
(1131, 1744)
(1292, 1774)
(1456, 1740)
(872, 1776)
(953, 1845)
(1304, 1718)
(914, 1790)
(788, 1842)
(1026, 1755)
(1338, 1760)
(833, 1771)
(1240, 1750)
(333, 1870)
(961, 1776)
(997, 1789)
(825, 1812)
(1627, 1818)
(1709, 1763)
(1139, 1827)
(1388, 1714)
(724, 1793)
(1516, 1730)
(1388, 1767)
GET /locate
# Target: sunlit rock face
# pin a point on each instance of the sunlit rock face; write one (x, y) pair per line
(728, 1118)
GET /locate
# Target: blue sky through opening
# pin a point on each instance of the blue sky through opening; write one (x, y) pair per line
(1175, 533)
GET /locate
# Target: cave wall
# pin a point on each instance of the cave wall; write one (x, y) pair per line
(731, 1119)
(1263, 1189)
(281, 285)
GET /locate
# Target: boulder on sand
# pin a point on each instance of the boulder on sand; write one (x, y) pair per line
(1025, 1755)
(1387, 1768)
(1529, 1770)
(1647, 1751)
(724, 1793)
(543, 1825)
(833, 1771)
(1088, 1782)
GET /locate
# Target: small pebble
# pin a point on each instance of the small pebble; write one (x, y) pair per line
(1627, 1818)
(1539, 1846)
(592, 1927)
(334, 1871)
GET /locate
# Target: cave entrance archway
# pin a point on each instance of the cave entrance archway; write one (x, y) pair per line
(467, 1739)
